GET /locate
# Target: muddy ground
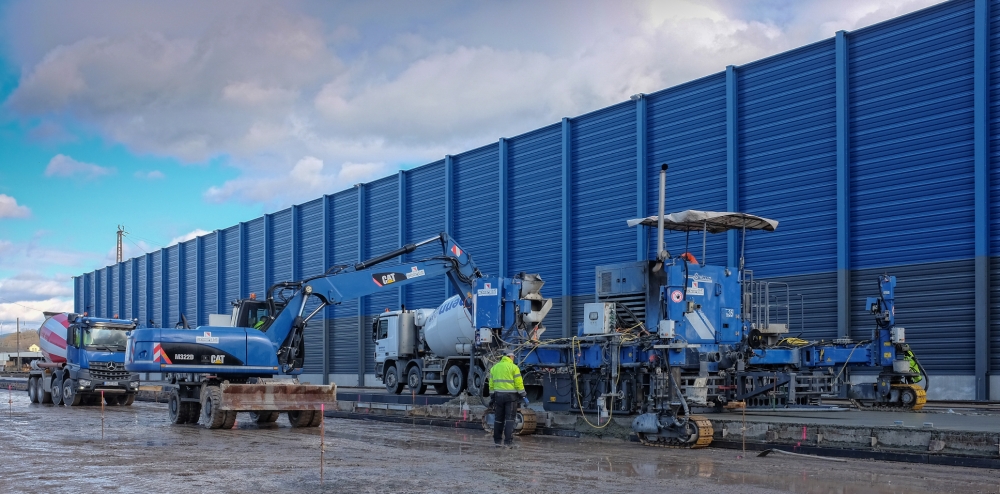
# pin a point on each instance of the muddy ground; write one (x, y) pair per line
(57, 449)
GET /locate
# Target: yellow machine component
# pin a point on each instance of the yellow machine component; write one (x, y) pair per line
(702, 436)
(912, 397)
(526, 421)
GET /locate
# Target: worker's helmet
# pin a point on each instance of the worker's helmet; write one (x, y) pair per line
(510, 354)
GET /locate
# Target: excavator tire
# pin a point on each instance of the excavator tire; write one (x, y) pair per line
(211, 416)
(300, 418)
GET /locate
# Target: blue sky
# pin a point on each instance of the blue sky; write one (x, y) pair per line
(178, 118)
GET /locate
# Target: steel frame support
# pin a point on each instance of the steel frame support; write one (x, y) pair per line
(732, 160)
(401, 214)
(641, 234)
(149, 290)
(843, 188)
(362, 227)
(242, 281)
(199, 284)
(981, 126)
(327, 324)
(268, 252)
(567, 272)
(503, 205)
(134, 281)
(449, 208)
(120, 310)
(220, 258)
(164, 314)
(181, 282)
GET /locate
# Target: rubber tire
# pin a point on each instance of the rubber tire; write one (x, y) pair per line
(441, 389)
(32, 394)
(71, 397)
(455, 380)
(479, 376)
(128, 400)
(177, 411)
(415, 381)
(317, 419)
(94, 400)
(44, 397)
(230, 420)
(264, 417)
(392, 383)
(194, 412)
(57, 383)
(113, 400)
(211, 416)
(300, 418)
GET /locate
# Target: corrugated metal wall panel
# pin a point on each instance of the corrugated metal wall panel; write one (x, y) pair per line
(931, 305)
(78, 291)
(189, 268)
(534, 224)
(812, 301)
(142, 278)
(424, 219)
(158, 296)
(171, 270)
(382, 221)
(255, 257)
(281, 246)
(208, 294)
(230, 271)
(788, 160)
(686, 128)
(115, 273)
(92, 293)
(602, 195)
(994, 115)
(129, 287)
(102, 292)
(309, 256)
(343, 242)
(911, 110)
(477, 199)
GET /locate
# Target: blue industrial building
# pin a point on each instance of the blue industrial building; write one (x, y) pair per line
(872, 148)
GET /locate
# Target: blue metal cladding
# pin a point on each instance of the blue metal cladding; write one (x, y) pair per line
(994, 190)
(115, 272)
(912, 164)
(126, 281)
(534, 231)
(686, 129)
(101, 298)
(141, 286)
(382, 203)
(208, 291)
(343, 245)
(159, 297)
(602, 196)
(230, 271)
(255, 257)
(424, 219)
(476, 200)
(309, 256)
(189, 269)
(280, 238)
(171, 269)
(78, 302)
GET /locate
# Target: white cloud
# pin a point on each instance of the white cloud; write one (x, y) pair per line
(63, 166)
(188, 236)
(150, 175)
(30, 312)
(10, 209)
(32, 286)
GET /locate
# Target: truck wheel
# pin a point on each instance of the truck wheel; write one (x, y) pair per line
(317, 419)
(300, 418)
(194, 411)
(455, 379)
(57, 390)
(211, 416)
(32, 394)
(69, 395)
(264, 417)
(479, 386)
(43, 397)
(441, 389)
(177, 412)
(230, 420)
(415, 381)
(392, 383)
(128, 400)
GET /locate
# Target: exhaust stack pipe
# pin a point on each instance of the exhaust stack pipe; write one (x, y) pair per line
(661, 253)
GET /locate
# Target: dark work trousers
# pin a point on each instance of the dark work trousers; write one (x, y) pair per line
(505, 417)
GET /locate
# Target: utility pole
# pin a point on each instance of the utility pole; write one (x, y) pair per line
(121, 235)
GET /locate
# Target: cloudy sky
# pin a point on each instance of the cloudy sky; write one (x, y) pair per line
(177, 118)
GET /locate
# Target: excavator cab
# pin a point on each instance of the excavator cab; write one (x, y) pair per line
(251, 313)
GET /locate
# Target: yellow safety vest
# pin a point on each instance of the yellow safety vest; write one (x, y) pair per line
(505, 377)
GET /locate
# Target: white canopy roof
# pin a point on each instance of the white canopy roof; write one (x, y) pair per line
(713, 221)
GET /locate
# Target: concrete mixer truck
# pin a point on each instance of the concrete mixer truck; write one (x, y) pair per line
(435, 347)
(83, 359)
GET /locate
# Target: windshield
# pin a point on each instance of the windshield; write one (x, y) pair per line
(108, 339)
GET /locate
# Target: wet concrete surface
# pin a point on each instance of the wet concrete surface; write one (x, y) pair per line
(57, 449)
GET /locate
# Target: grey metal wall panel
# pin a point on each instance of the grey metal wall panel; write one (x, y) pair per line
(281, 246)
(994, 191)
(343, 244)
(911, 107)
(812, 303)
(159, 298)
(788, 159)
(141, 312)
(382, 205)
(686, 128)
(230, 271)
(424, 219)
(170, 270)
(534, 226)
(208, 295)
(933, 303)
(477, 200)
(129, 288)
(603, 195)
(255, 257)
(189, 269)
(309, 256)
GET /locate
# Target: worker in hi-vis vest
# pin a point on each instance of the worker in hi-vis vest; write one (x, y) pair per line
(507, 390)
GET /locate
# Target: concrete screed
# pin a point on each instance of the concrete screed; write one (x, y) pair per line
(56, 449)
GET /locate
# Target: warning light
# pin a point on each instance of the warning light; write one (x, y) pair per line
(386, 309)
(253, 296)
(84, 314)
